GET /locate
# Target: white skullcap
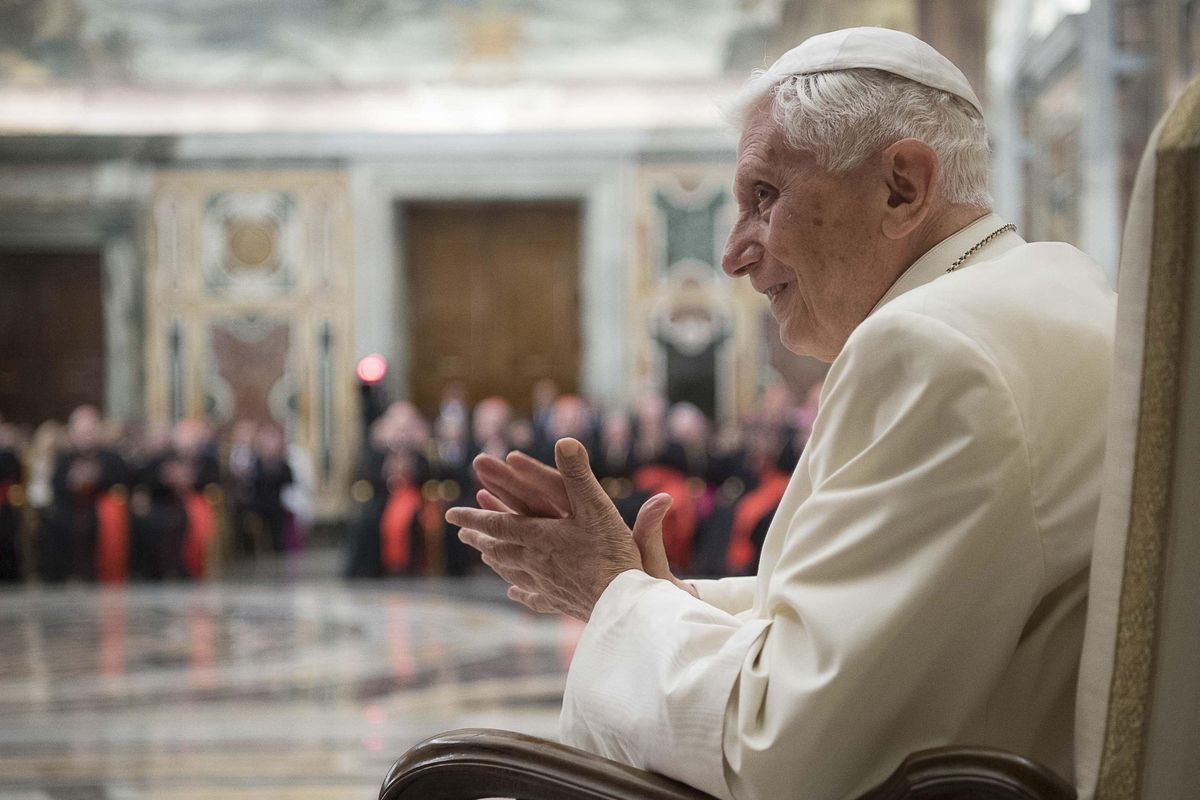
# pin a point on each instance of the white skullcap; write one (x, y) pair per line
(869, 48)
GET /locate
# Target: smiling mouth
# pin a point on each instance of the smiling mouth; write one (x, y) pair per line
(772, 291)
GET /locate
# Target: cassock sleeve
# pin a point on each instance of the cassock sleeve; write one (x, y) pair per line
(898, 595)
(732, 595)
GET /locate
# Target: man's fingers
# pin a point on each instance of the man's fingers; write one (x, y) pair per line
(523, 496)
(531, 600)
(583, 490)
(647, 533)
(544, 479)
(509, 572)
(494, 523)
(499, 479)
(477, 539)
(489, 502)
(490, 546)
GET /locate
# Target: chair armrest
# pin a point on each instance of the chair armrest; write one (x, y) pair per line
(477, 762)
(974, 773)
(473, 763)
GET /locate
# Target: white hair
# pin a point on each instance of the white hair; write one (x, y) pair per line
(843, 116)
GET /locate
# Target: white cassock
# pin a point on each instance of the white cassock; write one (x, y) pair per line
(924, 580)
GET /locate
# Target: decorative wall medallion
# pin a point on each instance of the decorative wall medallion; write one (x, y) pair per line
(251, 243)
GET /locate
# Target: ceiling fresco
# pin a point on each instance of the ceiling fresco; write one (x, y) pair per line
(364, 43)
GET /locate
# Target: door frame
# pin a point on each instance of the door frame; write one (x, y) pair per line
(601, 185)
(112, 232)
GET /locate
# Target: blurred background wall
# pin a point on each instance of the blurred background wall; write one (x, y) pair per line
(216, 208)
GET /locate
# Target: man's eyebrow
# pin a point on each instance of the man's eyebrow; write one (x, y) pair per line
(751, 174)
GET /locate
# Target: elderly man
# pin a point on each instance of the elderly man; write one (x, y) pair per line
(924, 580)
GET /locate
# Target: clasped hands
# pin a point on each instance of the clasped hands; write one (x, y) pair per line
(555, 535)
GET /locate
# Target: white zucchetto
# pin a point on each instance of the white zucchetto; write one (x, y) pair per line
(869, 48)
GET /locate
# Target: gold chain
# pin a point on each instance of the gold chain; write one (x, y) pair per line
(958, 262)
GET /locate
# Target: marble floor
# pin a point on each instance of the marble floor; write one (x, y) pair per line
(290, 686)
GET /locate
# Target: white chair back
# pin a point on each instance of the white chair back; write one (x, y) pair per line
(1134, 526)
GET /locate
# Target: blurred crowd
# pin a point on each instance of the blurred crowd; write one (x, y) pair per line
(725, 480)
(98, 500)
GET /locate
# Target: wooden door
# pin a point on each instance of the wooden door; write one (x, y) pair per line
(493, 294)
(51, 334)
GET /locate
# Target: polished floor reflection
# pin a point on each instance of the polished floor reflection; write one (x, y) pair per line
(293, 689)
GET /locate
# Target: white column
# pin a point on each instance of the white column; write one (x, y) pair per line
(1008, 32)
(605, 282)
(379, 301)
(123, 327)
(1099, 151)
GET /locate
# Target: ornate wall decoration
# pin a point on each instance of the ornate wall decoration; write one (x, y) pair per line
(691, 325)
(689, 221)
(249, 357)
(249, 292)
(251, 243)
(695, 332)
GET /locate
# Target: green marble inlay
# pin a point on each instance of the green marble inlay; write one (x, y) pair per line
(690, 230)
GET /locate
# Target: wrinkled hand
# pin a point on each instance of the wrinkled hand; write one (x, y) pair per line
(523, 485)
(558, 564)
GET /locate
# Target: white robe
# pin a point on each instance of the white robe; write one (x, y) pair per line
(924, 580)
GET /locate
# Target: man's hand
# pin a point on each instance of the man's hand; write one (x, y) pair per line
(558, 564)
(525, 486)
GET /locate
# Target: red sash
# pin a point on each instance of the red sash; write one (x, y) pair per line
(395, 526)
(112, 537)
(432, 515)
(753, 507)
(679, 526)
(201, 525)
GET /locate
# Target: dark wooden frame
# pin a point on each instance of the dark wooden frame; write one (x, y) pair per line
(474, 763)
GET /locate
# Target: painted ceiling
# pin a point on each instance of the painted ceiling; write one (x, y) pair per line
(367, 43)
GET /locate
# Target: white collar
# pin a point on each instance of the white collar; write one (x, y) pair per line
(938, 259)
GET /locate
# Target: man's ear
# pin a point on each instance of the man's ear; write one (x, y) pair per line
(910, 169)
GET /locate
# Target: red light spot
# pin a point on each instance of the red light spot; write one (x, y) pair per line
(372, 368)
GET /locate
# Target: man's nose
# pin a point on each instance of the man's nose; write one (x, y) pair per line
(741, 253)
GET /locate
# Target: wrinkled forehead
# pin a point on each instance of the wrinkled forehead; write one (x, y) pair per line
(758, 125)
(764, 145)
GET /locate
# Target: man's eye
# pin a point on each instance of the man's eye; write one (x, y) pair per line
(761, 194)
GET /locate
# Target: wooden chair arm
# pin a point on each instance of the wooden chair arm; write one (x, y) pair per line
(478, 762)
(473, 763)
(970, 773)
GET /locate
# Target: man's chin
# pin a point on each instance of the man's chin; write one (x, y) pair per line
(802, 345)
